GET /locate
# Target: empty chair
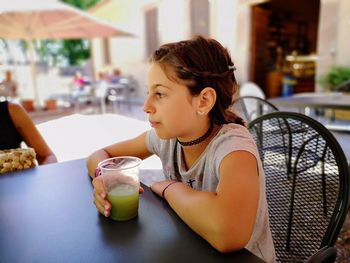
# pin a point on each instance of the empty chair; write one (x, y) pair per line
(118, 94)
(251, 89)
(250, 107)
(307, 185)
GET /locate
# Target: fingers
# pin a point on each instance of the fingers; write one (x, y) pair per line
(141, 190)
(101, 209)
(100, 197)
(102, 204)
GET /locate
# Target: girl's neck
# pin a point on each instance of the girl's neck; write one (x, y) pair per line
(192, 153)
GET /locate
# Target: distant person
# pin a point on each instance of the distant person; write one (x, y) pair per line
(101, 84)
(8, 86)
(16, 127)
(78, 80)
(79, 85)
(116, 76)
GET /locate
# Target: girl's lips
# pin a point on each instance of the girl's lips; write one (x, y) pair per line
(153, 123)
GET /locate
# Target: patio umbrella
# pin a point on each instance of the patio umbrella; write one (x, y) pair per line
(49, 19)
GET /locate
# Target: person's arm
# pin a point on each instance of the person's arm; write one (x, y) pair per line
(133, 147)
(30, 134)
(224, 218)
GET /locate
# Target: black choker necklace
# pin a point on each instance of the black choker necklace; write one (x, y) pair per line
(200, 139)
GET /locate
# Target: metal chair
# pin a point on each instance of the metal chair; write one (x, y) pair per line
(307, 184)
(250, 107)
(251, 89)
(118, 94)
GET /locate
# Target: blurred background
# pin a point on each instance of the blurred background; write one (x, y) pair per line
(267, 39)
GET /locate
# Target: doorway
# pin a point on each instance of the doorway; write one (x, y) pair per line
(284, 43)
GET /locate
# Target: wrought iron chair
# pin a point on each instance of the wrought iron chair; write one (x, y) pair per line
(250, 107)
(309, 194)
(118, 94)
(251, 89)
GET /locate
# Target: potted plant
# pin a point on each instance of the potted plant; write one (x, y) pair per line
(28, 104)
(337, 76)
(337, 79)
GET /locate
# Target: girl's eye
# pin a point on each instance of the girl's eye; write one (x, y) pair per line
(159, 95)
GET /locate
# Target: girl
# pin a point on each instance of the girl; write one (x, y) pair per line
(215, 181)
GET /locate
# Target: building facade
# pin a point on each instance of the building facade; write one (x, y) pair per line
(319, 29)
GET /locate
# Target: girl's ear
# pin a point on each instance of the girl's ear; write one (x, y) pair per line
(206, 100)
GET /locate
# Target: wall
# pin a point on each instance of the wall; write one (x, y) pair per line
(226, 15)
(173, 20)
(333, 36)
(343, 39)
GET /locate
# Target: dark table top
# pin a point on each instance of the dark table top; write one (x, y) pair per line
(47, 215)
(315, 100)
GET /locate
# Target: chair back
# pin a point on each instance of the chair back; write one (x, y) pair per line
(250, 107)
(251, 89)
(307, 183)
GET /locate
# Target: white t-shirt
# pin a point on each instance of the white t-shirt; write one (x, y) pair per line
(204, 175)
(8, 88)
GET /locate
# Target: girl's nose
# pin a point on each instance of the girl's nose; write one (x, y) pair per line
(147, 107)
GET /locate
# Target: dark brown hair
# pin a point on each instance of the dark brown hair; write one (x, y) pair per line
(201, 63)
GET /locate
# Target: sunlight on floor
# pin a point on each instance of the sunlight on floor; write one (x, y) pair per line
(76, 136)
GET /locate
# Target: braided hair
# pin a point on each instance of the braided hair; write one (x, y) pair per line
(200, 63)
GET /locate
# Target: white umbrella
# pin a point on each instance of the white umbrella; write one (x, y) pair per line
(49, 19)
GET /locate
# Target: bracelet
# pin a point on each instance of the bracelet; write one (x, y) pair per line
(97, 172)
(163, 192)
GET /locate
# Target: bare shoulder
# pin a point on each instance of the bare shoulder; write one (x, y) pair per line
(240, 164)
(15, 109)
(18, 114)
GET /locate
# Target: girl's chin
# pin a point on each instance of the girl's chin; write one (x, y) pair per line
(163, 135)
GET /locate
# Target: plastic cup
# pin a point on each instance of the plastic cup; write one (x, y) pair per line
(121, 180)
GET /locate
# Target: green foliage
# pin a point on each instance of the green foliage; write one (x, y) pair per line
(336, 76)
(82, 4)
(73, 51)
(48, 51)
(76, 51)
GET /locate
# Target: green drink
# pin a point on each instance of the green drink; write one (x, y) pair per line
(125, 201)
(121, 180)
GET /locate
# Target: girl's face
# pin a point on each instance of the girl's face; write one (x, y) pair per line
(170, 106)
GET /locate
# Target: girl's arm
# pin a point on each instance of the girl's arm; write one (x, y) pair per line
(30, 134)
(224, 218)
(133, 147)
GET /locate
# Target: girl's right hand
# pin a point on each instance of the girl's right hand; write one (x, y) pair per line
(100, 197)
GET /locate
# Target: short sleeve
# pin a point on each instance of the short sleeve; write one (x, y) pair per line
(152, 142)
(241, 140)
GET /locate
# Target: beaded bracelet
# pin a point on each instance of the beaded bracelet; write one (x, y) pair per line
(163, 192)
